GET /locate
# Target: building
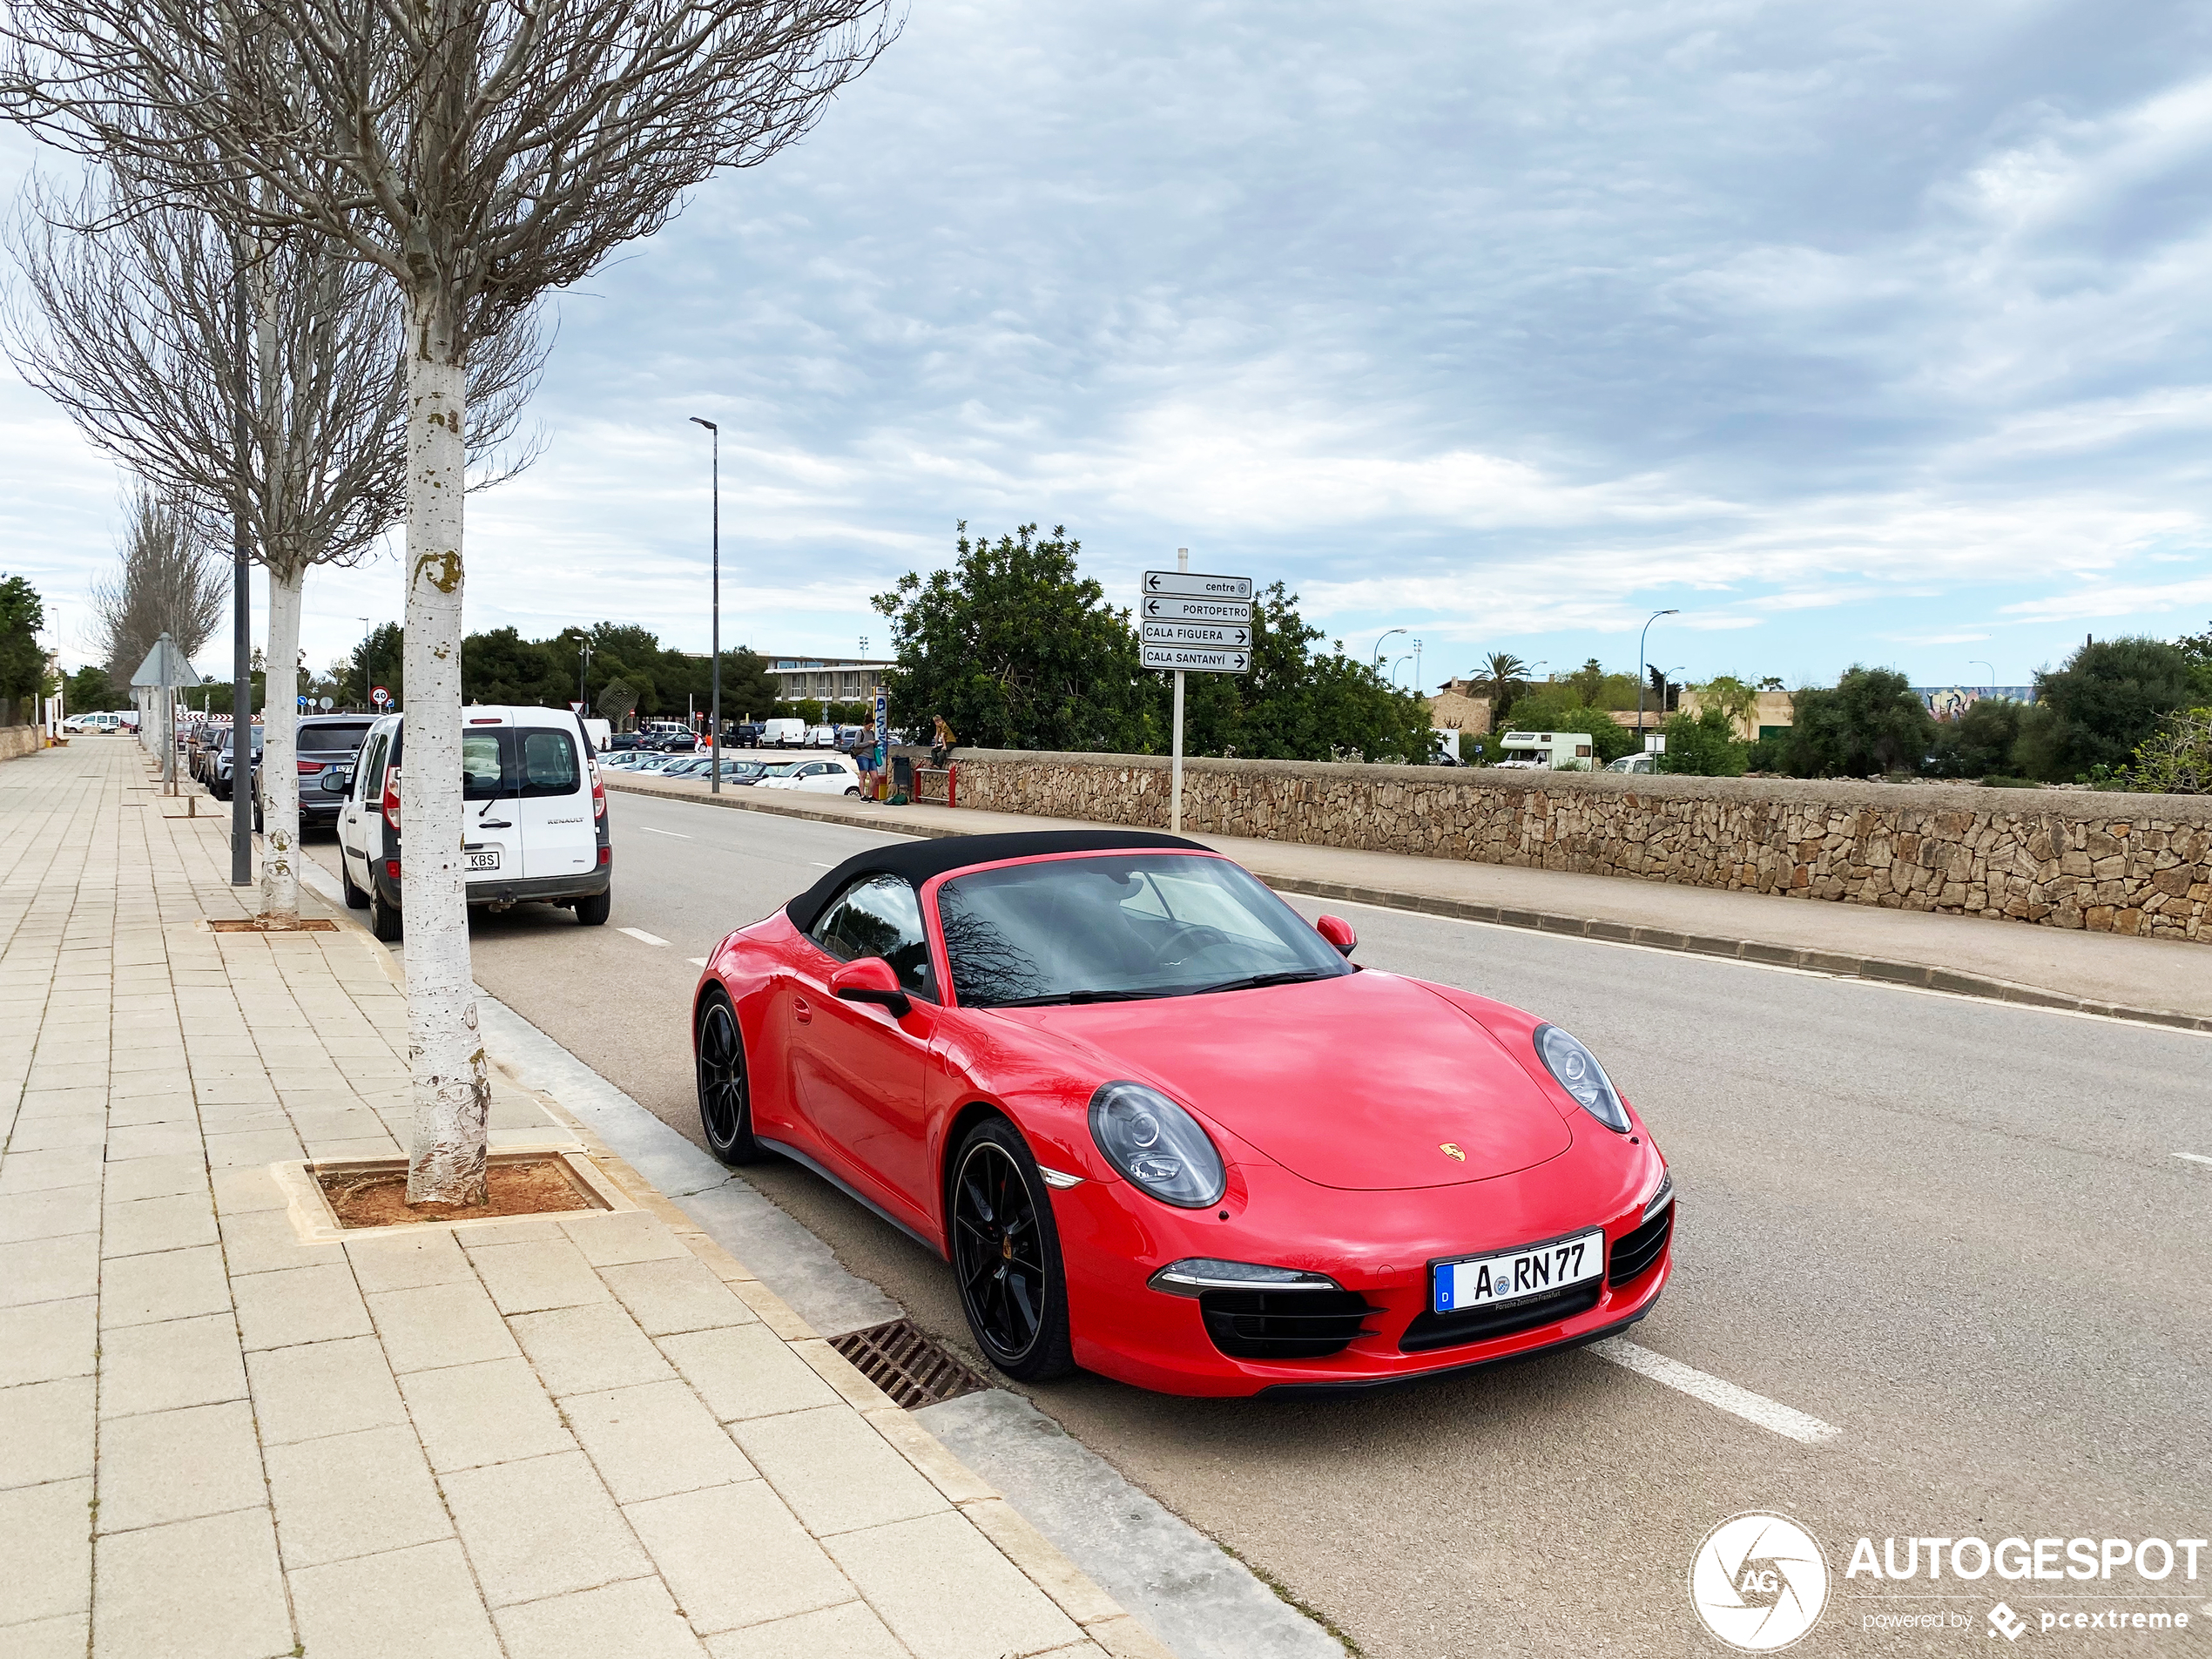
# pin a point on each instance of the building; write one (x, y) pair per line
(832, 679)
(1455, 707)
(1774, 714)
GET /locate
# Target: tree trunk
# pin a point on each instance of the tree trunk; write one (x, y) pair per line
(452, 1091)
(279, 746)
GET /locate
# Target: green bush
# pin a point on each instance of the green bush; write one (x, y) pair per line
(2109, 699)
(2176, 759)
(1870, 721)
(1979, 741)
(1703, 745)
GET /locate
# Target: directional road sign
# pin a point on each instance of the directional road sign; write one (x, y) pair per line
(1213, 635)
(1196, 662)
(1201, 587)
(1175, 607)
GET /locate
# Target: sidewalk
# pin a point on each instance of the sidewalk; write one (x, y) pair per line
(591, 1436)
(2160, 980)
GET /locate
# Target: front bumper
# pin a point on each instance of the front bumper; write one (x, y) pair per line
(1375, 1244)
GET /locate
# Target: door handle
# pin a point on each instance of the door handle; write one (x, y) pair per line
(801, 1011)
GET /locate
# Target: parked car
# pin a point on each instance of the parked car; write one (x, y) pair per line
(677, 743)
(199, 754)
(821, 737)
(218, 779)
(534, 823)
(99, 725)
(1645, 762)
(746, 734)
(688, 767)
(327, 746)
(836, 775)
(621, 741)
(783, 734)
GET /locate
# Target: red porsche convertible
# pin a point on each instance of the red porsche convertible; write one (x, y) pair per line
(1163, 1130)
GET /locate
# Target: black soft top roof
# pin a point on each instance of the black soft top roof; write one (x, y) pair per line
(916, 861)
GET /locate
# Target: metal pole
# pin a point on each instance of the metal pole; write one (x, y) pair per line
(714, 463)
(365, 631)
(241, 603)
(1640, 637)
(1175, 785)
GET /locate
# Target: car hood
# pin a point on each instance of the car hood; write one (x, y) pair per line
(1358, 1082)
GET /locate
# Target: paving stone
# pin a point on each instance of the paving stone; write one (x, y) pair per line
(174, 1285)
(49, 1270)
(625, 1236)
(851, 1631)
(322, 1388)
(65, 1102)
(344, 1495)
(175, 1466)
(66, 1637)
(155, 1177)
(301, 1304)
(252, 1149)
(654, 1439)
(45, 1434)
(835, 1472)
(145, 1225)
(528, 1278)
(676, 1295)
(695, 1537)
(265, 1240)
(418, 1603)
(493, 1412)
(587, 1349)
(68, 1166)
(197, 1589)
(493, 1234)
(440, 1325)
(543, 1527)
(46, 1550)
(51, 1214)
(635, 1619)
(153, 1140)
(402, 1258)
(747, 1370)
(170, 1106)
(160, 1367)
(238, 1191)
(62, 1130)
(946, 1593)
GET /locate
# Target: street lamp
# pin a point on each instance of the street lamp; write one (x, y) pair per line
(714, 718)
(1989, 684)
(582, 672)
(1376, 661)
(1640, 637)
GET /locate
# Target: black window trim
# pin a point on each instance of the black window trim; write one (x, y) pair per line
(928, 991)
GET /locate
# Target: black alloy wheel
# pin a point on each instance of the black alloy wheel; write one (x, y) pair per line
(383, 920)
(1006, 1251)
(355, 898)
(725, 1099)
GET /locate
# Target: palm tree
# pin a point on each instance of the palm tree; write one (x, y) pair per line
(1504, 676)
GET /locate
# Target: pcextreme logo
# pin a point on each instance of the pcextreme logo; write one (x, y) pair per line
(1758, 1581)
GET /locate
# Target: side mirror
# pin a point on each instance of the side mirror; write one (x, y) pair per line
(1339, 932)
(338, 780)
(870, 980)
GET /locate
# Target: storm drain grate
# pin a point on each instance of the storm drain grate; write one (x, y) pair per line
(905, 1362)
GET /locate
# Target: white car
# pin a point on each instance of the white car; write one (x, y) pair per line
(533, 822)
(835, 775)
(1646, 761)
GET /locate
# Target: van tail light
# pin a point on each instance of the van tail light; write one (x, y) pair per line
(392, 798)
(598, 795)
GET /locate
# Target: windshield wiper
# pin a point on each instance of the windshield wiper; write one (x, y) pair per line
(1084, 996)
(1252, 983)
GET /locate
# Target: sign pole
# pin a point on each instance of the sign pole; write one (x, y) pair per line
(1175, 785)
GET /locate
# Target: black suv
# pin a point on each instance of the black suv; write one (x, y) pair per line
(327, 744)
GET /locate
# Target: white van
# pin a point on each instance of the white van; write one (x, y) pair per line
(1548, 751)
(533, 817)
(783, 734)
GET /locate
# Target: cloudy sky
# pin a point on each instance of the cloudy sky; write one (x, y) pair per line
(1873, 332)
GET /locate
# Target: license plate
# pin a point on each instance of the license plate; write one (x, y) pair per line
(1476, 1281)
(484, 861)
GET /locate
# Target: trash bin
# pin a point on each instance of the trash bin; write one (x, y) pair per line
(903, 776)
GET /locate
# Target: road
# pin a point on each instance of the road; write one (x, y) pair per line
(1957, 1231)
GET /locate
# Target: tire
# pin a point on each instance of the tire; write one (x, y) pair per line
(355, 898)
(1005, 1254)
(592, 912)
(854, 792)
(383, 920)
(724, 1085)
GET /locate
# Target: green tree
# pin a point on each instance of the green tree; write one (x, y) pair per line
(375, 661)
(502, 667)
(1738, 699)
(1503, 678)
(1015, 649)
(2109, 698)
(1870, 721)
(2176, 759)
(22, 662)
(89, 690)
(1703, 744)
(1980, 743)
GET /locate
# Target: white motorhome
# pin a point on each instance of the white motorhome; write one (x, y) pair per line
(1548, 751)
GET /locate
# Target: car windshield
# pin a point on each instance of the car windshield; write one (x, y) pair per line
(1120, 927)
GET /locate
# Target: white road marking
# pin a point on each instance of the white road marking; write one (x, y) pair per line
(696, 961)
(641, 937)
(1752, 1408)
(2194, 1157)
(677, 835)
(818, 864)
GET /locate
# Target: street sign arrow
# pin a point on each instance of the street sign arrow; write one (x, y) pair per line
(1219, 636)
(1194, 661)
(1179, 609)
(1204, 586)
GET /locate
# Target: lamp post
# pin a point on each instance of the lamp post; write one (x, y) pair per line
(714, 720)
(1641, 675)
(581, 672)
(1989, 685)
(1376, 661)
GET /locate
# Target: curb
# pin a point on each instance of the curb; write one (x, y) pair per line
(1915, 975)
(1089, 1607)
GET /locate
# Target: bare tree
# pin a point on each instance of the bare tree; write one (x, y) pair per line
(132, 314)
(481, 151)
(170, 584)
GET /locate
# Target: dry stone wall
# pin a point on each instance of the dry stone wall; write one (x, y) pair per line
(2128, 864)
(17, 740)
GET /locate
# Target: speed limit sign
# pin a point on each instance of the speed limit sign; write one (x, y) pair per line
(381, 698)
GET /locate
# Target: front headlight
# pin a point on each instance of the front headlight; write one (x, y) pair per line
(1157, 1144)
(1581, 1075)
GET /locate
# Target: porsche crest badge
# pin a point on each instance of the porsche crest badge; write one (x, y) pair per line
(1452, 1151)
